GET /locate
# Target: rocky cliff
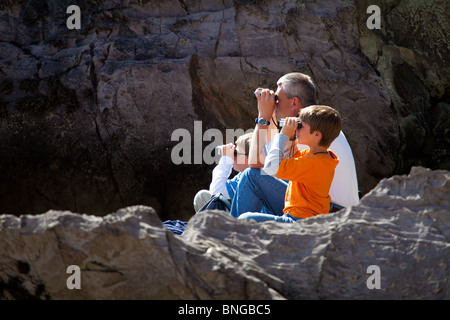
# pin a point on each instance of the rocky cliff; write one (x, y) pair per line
(401, 229)
(86, 116)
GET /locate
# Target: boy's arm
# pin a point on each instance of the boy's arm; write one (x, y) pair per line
(276, 152)
(275, 155)
(220, 175)
(222, 171)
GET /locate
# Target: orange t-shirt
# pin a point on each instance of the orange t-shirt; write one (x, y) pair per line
(310, 178)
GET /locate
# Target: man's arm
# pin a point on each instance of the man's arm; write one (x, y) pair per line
(262, 134)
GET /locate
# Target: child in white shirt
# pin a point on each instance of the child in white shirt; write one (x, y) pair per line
(233, 157)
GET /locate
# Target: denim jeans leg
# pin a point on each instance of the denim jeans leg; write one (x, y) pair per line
(256, 190)
(261, 217)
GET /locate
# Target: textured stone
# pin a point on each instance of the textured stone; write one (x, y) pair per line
(411, 54)
(402, 226)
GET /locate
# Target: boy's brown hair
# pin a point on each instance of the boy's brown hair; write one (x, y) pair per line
(324, 119)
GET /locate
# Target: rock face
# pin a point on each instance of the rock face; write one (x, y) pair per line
(86, 116)
(413, 64)
(402, 226)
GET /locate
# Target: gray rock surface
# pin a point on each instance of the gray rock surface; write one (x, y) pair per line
(86, 116)
(402, 226)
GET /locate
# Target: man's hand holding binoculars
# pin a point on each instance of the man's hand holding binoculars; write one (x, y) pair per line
(266, 102)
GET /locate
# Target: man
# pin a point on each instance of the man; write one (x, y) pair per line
(259, 192)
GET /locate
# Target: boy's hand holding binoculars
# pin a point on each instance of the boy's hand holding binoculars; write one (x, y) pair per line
(290, 125)
(228, 150)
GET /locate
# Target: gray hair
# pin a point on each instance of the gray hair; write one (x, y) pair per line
(298, 85)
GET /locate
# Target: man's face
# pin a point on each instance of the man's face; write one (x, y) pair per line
(283, 107)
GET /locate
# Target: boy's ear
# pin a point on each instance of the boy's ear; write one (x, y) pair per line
(318, 135)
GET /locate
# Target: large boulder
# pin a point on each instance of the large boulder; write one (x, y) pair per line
(402, 227)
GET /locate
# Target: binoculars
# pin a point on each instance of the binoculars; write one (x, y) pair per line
(282, 121)
(219, 151)
(259, 92)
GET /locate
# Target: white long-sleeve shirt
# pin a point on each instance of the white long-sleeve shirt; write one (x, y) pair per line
(220, 176)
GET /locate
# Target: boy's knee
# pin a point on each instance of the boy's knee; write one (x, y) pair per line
(243, 216)
(250, 216)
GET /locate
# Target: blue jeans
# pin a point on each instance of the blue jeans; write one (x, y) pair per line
(258, 192)
(261, 217)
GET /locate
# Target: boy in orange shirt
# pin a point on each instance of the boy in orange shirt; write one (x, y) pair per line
(310, 172)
